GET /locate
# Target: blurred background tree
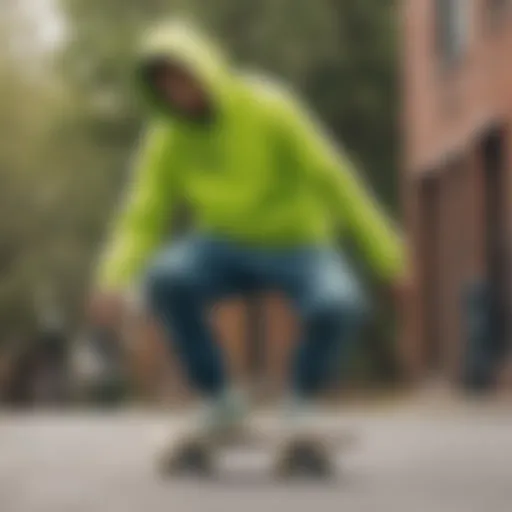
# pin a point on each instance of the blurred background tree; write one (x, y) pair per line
(69, 120)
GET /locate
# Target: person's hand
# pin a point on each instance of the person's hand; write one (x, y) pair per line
(106, 308)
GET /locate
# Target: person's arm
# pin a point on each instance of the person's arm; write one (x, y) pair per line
(339, 186)
(145, 215)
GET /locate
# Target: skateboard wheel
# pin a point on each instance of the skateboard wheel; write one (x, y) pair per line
(303, 458)
(191, 458)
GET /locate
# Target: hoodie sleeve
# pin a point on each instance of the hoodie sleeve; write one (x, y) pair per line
(145, 214)
(349, 198)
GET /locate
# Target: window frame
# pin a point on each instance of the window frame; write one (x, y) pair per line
(452, 26)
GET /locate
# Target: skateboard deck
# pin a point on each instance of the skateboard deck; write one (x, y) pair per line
(294, 453)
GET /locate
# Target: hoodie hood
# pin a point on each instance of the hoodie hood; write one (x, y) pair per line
(182, 45)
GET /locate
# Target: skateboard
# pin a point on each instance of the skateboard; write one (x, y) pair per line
(295, 455)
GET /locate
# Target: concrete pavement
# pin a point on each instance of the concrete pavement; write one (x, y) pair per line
(407, 460)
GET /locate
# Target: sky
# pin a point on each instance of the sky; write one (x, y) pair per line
(50, 28)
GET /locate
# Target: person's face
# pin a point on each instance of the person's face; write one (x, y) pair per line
(180, 89)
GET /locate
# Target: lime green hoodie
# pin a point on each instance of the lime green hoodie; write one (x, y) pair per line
(261, 174)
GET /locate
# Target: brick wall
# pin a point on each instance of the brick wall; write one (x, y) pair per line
(447, 114)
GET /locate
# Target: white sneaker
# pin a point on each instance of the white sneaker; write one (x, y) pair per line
(223, 418)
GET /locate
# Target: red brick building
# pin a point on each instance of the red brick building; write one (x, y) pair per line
(457, 181)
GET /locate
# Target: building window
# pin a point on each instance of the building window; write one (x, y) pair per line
(452, 29)
(495, 10)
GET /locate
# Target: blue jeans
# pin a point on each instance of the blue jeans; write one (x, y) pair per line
(185, 280)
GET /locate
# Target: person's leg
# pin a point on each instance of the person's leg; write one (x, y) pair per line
(332, 308)
(181, 288)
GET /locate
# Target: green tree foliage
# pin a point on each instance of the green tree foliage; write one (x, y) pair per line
(26, 102)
